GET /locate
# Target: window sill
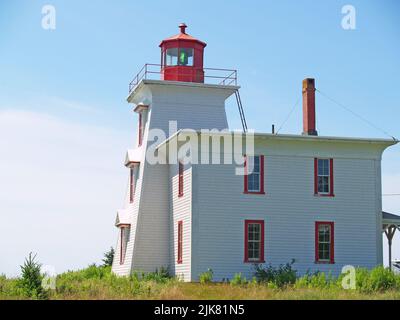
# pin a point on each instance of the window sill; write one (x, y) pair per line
(254, 192)
(324, 262)
(252, 261)
(322, 195)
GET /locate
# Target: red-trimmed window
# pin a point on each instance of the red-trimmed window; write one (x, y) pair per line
(324, 242)
(254, 174)
(180, 179)
(254, 241)
(323, 177)
(180, 241)
(125, 230)
(131, 186)
(140, 129)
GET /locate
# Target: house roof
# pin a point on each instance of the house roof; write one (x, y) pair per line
(390, 218)
(122, 217)
(133, 156)
(294, 137)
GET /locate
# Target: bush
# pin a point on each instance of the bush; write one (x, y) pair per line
(160, 275)
(31, 279)
(95, 272)
(108, 258)
(280, 276)
(378, 279)
(206, 277)
(238, 280)
(317, 280)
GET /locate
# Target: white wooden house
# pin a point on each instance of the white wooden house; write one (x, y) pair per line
(306, 197)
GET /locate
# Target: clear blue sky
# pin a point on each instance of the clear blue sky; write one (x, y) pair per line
(77, 77)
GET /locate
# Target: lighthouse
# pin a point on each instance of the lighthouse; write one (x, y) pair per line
(175, 94)
(312, 198)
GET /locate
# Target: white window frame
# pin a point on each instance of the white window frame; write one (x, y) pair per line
(324, 176)
(254, 241)
(329, 242)
(250, 165)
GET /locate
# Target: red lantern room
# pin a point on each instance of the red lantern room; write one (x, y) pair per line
(182, 58)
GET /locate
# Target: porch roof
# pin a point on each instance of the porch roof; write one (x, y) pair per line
(390, 219)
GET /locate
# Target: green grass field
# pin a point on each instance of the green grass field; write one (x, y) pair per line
(99, 283)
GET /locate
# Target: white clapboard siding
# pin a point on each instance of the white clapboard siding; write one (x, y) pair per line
(289, 210)
(181, 210)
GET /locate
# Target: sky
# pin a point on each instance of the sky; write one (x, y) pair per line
(65, 124)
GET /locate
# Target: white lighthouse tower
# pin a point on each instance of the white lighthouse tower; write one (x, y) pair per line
(180, 97)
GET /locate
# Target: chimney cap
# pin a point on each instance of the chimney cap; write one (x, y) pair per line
(309, 83)
(183, 27)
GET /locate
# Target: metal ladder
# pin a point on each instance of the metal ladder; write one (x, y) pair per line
(241, 112)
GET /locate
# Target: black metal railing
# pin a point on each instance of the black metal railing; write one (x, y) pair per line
(153, 71)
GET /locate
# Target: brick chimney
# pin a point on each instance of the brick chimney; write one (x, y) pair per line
(309, 107)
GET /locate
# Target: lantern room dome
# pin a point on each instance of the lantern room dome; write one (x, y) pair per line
(182, 36)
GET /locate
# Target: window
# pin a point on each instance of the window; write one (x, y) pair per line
(172, 57)
(323, 171)
(179, 57)
(324, 242)
(125, 230)
(131, 185)
(180, 179)
(180, 241)
(254, 241)
(254, 175)
(140, 129)
(185, 57)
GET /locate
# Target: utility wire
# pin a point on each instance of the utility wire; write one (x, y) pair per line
(356, 115)
(288, 116)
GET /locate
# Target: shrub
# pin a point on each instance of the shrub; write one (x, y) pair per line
(108, 258)
(238, 279)
(206, 277)
(280, 276)
(31, 279)
(160, 275)
(377, 279)
(317, 280)
(95, 272)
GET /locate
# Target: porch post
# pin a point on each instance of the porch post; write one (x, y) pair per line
(389, 231)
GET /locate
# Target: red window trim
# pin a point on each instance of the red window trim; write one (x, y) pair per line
(131, 186)
(262, 172)
(332, 248)
(246, 239)
(180, 242)
(180, 179)
(331, 184)
(140, 129)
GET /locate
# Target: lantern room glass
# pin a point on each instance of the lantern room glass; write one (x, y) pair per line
(179, 57)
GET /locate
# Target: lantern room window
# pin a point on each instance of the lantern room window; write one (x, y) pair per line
(179, 57)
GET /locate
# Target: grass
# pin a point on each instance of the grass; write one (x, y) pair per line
(98, 283)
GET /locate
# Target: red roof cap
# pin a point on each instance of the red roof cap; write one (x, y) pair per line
(182, 36)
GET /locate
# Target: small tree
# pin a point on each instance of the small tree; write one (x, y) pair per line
(108, 257)
(31, 278)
